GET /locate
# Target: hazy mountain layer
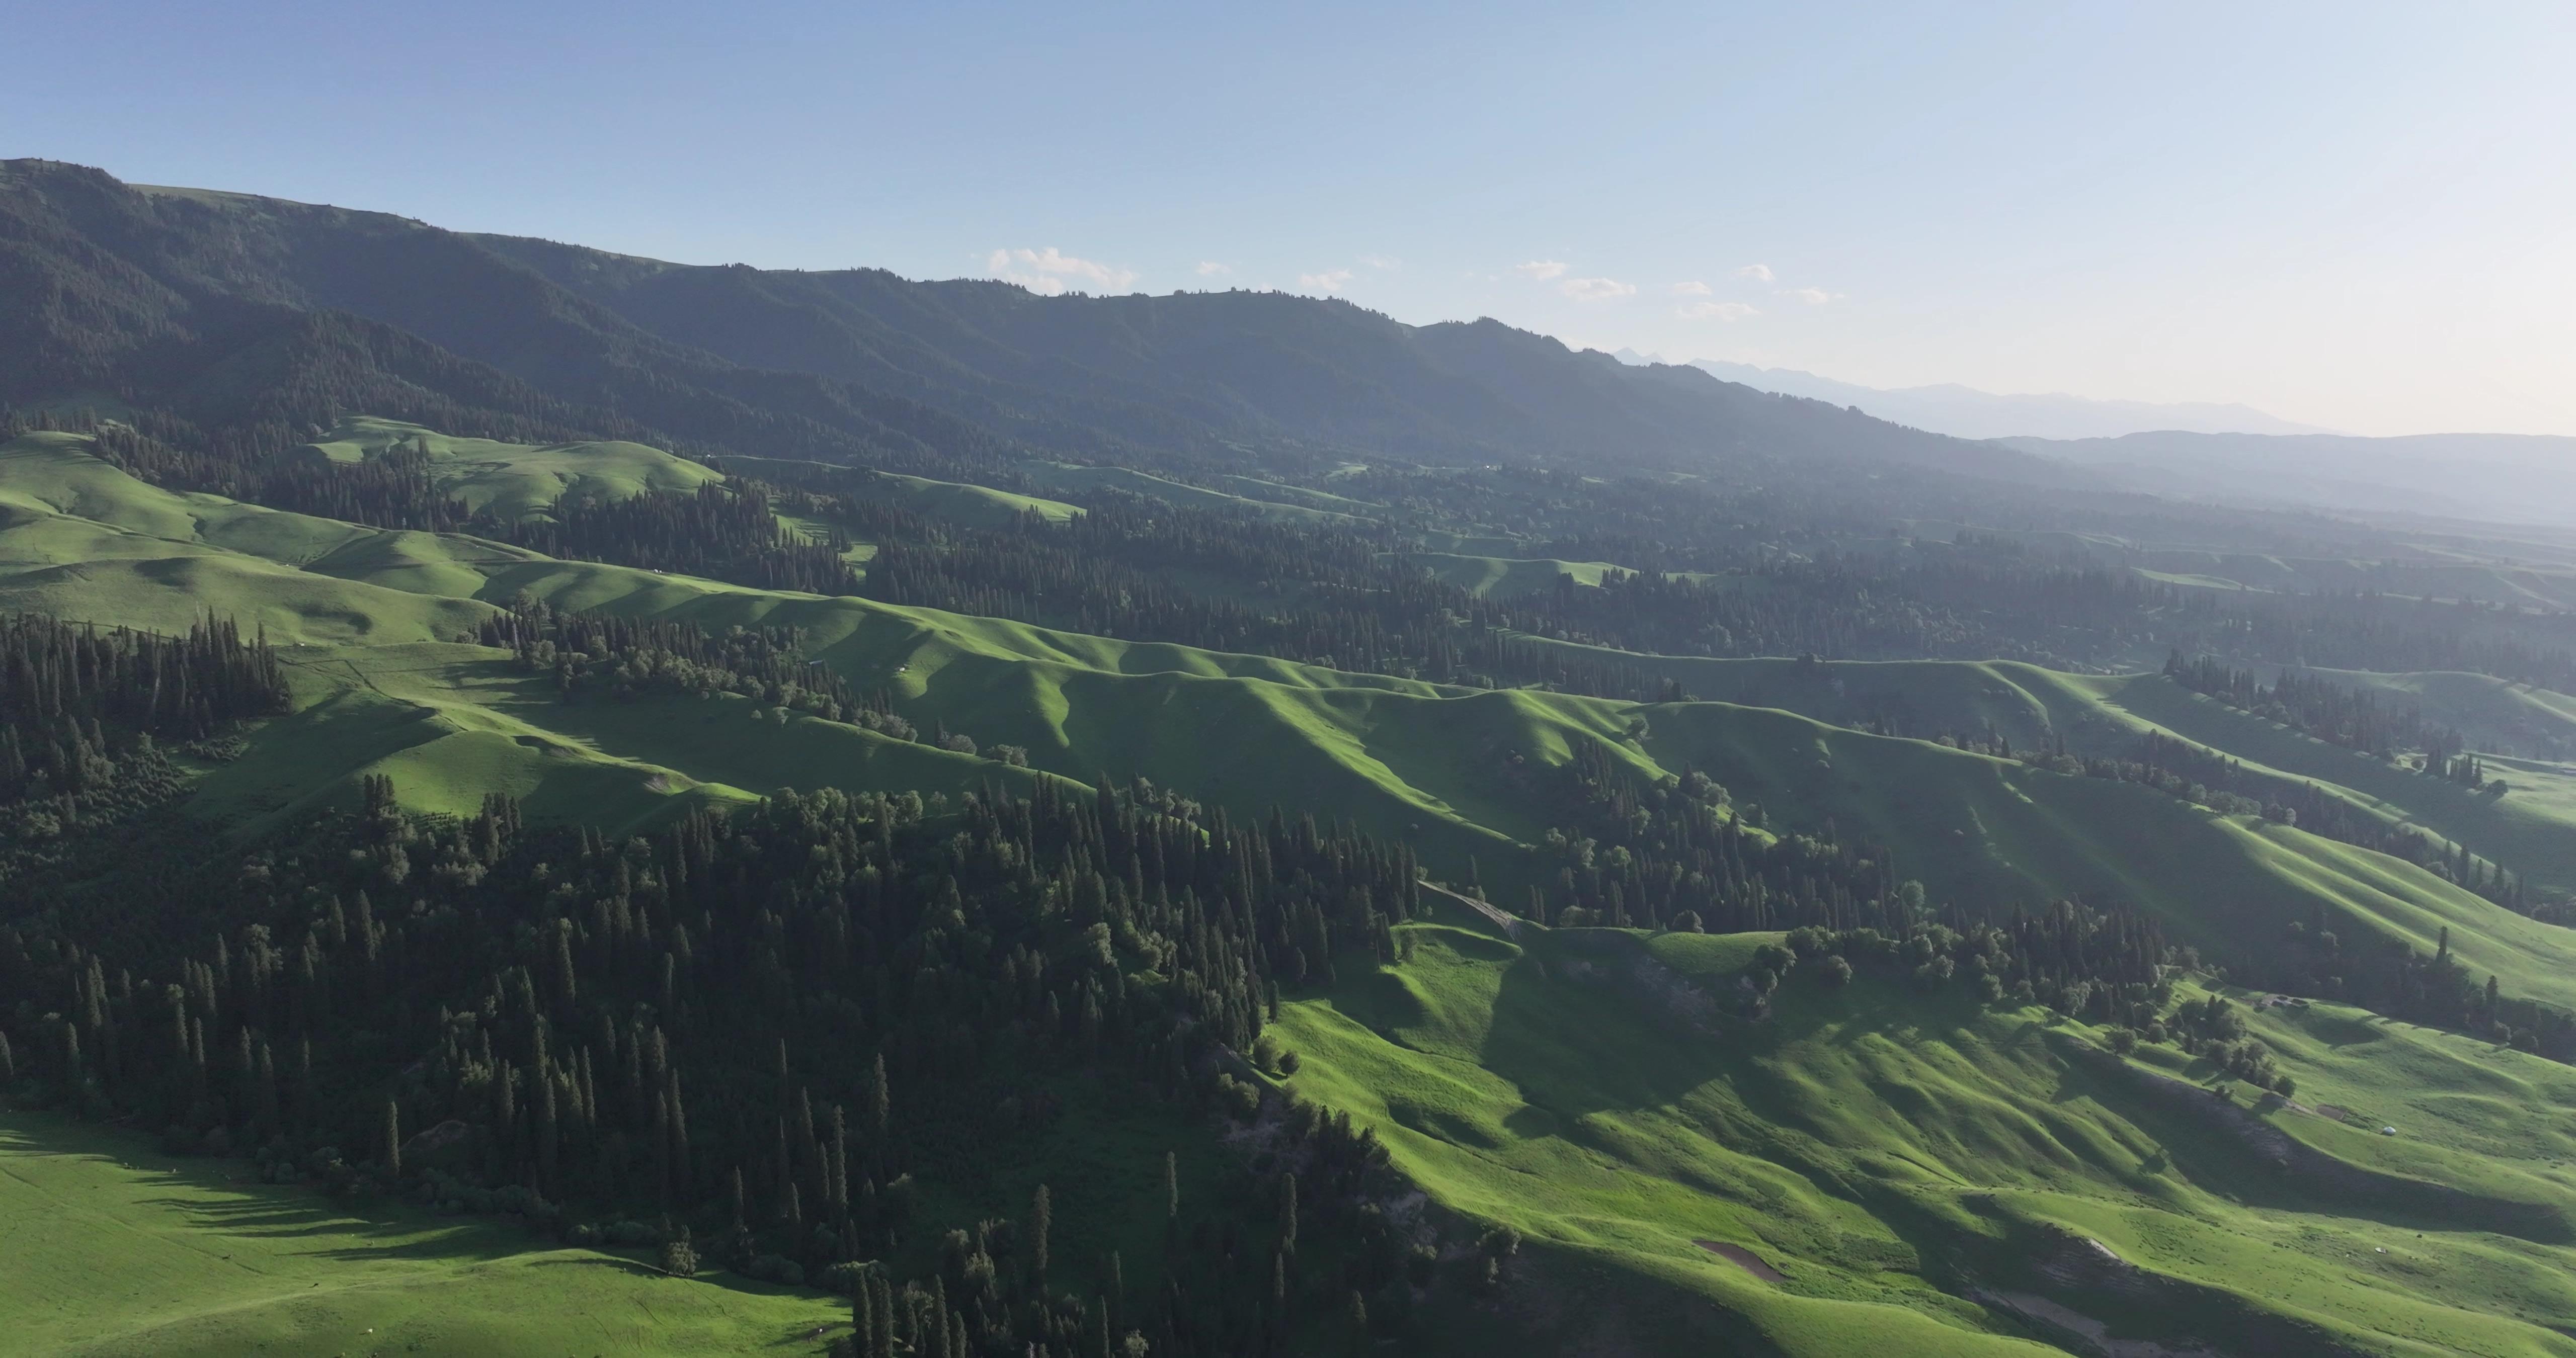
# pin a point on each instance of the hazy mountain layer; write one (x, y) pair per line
(1966, 412)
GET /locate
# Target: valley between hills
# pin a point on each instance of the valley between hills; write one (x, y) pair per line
(561, 811)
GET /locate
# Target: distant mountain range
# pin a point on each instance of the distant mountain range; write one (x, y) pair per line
(2502, 478)
(2227, 453)
(1968, 413)
(230, 311)
(246, 318)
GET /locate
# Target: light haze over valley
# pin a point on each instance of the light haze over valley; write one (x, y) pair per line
(1001, 682)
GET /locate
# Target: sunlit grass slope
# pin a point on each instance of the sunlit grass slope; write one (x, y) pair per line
(1502, 577)
(1894, 1155)
(1245, 495)
(115, 1249)
(2530, 828)
(80, 539)
(1884, 1150)
(513, 480)
(1405, 760)
(2441, 567)
(2491, 712)
(955, 501)
(450, 722)
(1998, 832)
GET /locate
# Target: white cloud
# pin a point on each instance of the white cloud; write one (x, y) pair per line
(1330, 280)
(1596, 289)
(1045, 271)
(1694, 288)
(1759, 273)
(1717, 311)
(1541, 269)
(1209, 268)
(1810, 296)
(1381, 262)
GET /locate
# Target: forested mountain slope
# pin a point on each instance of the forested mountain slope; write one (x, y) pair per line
(1711, 1123)
(1235, 365)
(144, 289)
(1459, 774)
(1211, 825)
(1839, 1173)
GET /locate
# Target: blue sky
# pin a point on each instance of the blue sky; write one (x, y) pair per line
(2354, 216)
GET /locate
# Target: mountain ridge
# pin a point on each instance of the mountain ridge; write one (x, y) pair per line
(1968, 412)
(2497, 478)
(857, 365)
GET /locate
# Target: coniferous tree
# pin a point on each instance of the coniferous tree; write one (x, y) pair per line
(1041, 1225)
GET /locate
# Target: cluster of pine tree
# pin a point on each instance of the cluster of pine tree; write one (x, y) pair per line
(1631, 854)
(271, 462)
(1982, 595)
(2213, 1030)
(2451, 766)
(1719, 574)
(2371, 630)
(481, 1015)
(2390, 976)
(2193, 774)
(80, 711)
(65, 687)
(2314, 706)
(1676, 855)
(1343, 594)
(1146, 571)
(2106, 966)
(624, 659)
(723, 531)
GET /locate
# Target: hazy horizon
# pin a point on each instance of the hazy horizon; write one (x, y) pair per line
(2347, 218)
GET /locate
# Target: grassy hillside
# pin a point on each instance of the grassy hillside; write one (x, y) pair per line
(2504, 565)
(2001, 833)
(79, 539)
(451, 722)
(1503, 577)
(2527, 827)
(1265, 498)
(1404, 760)
(1891, 1155)
(514, 480)
(117, 1249)
(1891, 1166)
(2493, 713)
(2531, 828)
(956, 501)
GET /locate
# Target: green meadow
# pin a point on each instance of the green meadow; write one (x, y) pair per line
(360, 607)
(1891, 1155)
(114, 1248)
(1909, 1169)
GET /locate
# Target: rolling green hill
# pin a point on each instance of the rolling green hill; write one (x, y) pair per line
(511, 480)
(956, 501)
(1251, 496)
(1402, 759)
(976, 1039)
(1915, 1174)
(117, 1249)
(2530, 828)
(1503, 577)
(1919, 1172)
